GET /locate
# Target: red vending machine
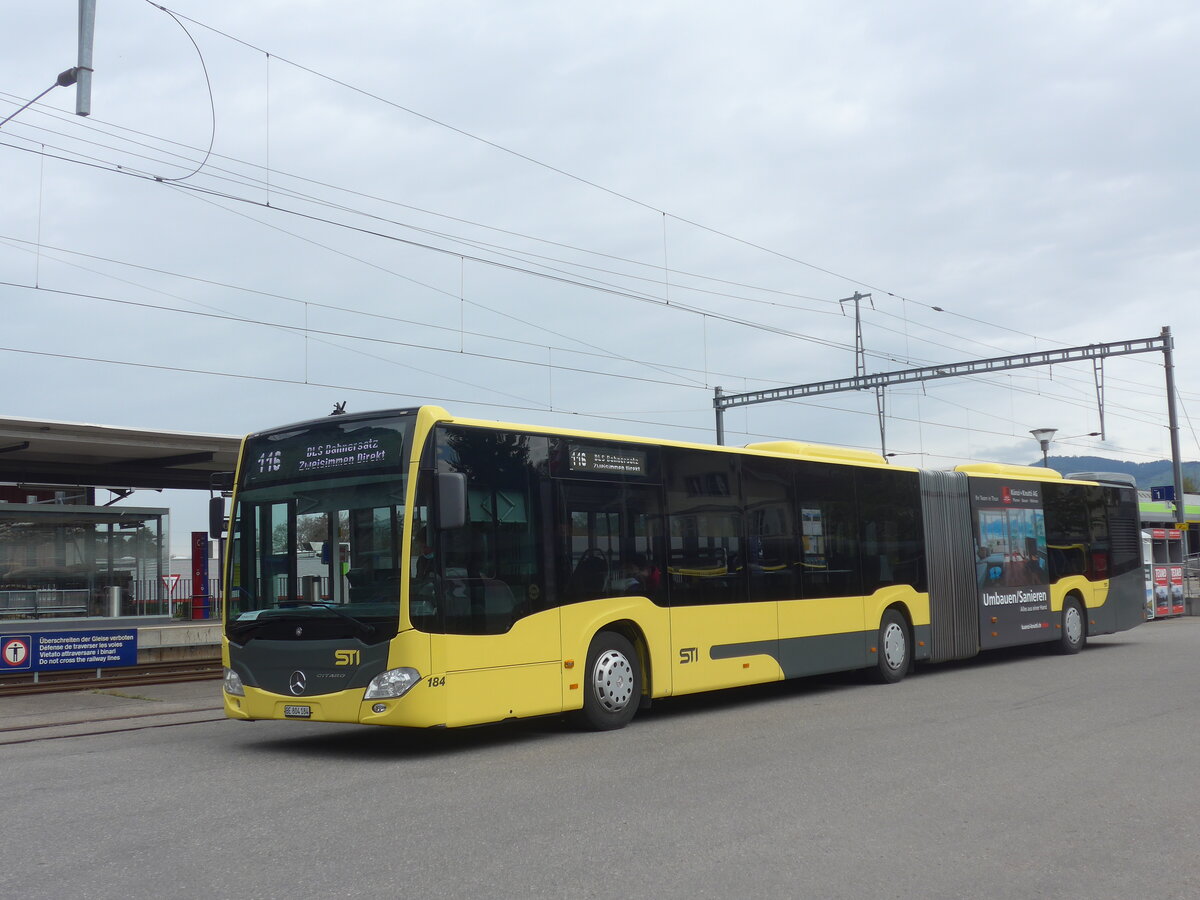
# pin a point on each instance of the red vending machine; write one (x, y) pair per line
(1175, 548)
(1167, 553)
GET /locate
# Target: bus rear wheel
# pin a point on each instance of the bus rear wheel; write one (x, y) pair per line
(614, 683)
(1074, 628)
(894, 656)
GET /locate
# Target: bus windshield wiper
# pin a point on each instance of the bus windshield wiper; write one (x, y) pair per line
(244, 629)
(365, 629)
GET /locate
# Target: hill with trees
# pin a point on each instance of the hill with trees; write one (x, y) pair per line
(1147, 474)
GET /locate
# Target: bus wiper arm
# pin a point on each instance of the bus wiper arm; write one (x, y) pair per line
(366, 629)
(244, 629)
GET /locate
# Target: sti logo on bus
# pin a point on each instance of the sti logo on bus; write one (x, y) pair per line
(346, 657)
(688, 655)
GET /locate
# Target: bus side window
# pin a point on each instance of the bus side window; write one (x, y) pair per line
(609, 540)
(491, 568)
(771, 529)
(829, 530)
(707, 560)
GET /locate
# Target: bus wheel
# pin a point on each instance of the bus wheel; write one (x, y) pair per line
(614, 683)
(894, 657)
(1074, 629)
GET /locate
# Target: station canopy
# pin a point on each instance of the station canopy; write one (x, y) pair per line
(67, 453)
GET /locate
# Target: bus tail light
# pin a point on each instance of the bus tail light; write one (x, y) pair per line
(392, 683)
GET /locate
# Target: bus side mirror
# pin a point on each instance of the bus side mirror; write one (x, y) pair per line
(452, 499)
(216, 517)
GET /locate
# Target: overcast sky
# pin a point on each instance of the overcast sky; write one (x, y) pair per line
(591, 215)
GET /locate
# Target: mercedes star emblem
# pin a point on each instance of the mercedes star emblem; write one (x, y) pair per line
(296, 683)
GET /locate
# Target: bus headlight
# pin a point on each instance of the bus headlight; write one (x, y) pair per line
(392, 683)
(233, 684)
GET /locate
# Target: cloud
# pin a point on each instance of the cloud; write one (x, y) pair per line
(1028, 168)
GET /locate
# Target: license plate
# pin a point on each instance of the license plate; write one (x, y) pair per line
(297, 712)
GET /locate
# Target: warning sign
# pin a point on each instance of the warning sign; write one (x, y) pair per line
(86, 649)
(67, 650)
(14, 651)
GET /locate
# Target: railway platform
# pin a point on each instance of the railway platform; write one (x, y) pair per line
(168, 652)
(160, 638)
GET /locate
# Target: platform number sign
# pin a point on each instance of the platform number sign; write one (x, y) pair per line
(14, 651)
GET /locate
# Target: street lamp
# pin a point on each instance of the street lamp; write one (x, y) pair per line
(1043, 436)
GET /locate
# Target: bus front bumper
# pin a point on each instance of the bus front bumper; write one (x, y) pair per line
(421, 707)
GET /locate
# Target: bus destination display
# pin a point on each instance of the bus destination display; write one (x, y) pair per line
(327, 451)
(603, 459)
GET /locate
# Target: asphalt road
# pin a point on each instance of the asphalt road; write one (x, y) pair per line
(1018, 775)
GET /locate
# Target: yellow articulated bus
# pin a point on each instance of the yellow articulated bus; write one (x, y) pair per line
(412, 568)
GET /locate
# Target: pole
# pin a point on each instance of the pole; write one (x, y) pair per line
(860, 351)
(720, 411)
(87, 34)
(880, 409)
(1173, 423)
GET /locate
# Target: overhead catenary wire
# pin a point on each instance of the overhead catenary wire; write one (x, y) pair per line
(485, 355)
(500, 147)
(455, 330)
(593, 184)
(301, 214)
(891, 358)
(358, 337)
(700, 312)
(678, 307)
(383, 316)
(888, 357)
(465, 401)
(439, 399)
(649, 266)
(371, 339)
(211, 102)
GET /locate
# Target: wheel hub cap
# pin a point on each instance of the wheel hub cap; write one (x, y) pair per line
(894, 649)
(1074, 625)
(612, 681)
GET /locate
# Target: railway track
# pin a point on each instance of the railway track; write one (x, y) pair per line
(146, 673)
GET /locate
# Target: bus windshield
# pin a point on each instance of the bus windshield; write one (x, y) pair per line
(315, 550)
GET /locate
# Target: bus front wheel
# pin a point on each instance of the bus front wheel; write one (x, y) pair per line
(614, 683)
(1074, 628)
(894, 655)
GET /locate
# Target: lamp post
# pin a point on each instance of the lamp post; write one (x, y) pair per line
(1043, 436)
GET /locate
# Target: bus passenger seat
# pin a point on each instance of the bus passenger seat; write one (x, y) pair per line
(591, 574)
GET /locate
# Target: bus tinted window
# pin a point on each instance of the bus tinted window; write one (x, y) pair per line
(609, 541)
(890, 529)
(828, 530)
(706, 562)
(1068, 534)
(771, 529)
(1122, 508)
(490, 570)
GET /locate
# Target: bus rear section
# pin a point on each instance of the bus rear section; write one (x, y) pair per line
(1020, 555)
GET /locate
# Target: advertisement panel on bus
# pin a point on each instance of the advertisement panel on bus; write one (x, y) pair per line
(1014, 584)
